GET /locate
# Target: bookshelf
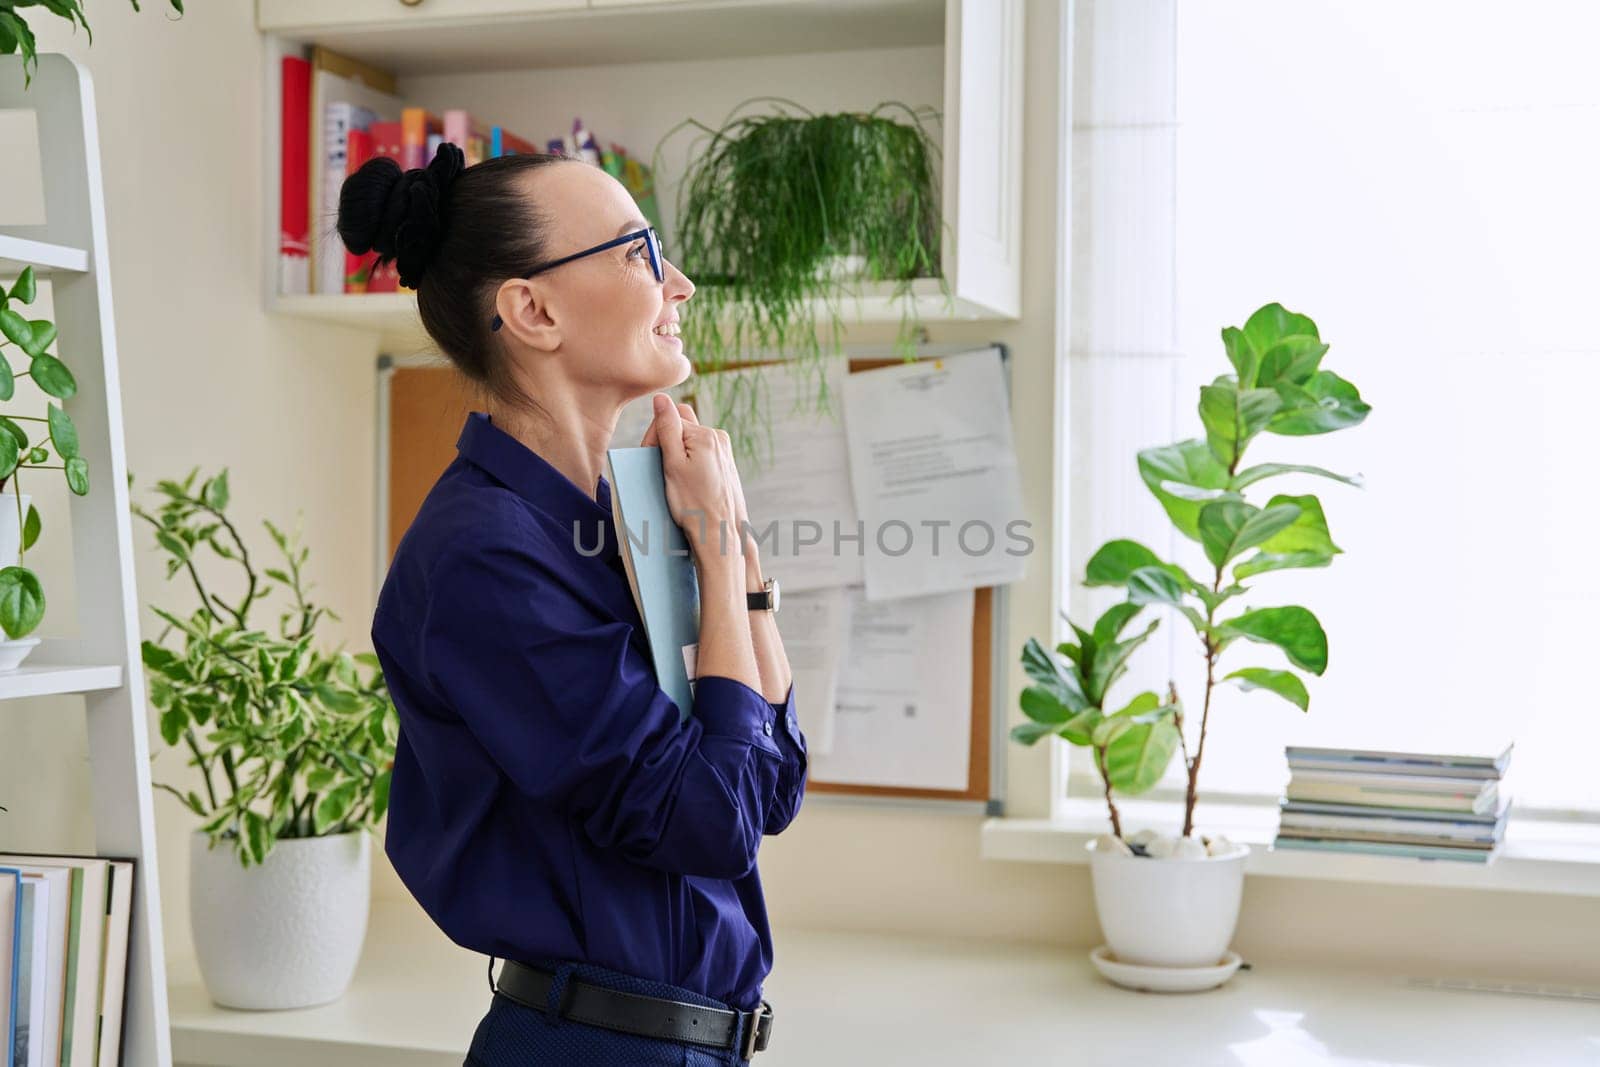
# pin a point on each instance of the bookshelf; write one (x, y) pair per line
(102, 664)
(633, 70)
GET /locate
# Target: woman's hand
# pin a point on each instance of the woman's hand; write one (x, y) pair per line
(703, 491)
(741, 513)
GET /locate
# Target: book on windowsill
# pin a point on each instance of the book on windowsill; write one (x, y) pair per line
(1397, 790)
(1420, 852)
(1488, 764)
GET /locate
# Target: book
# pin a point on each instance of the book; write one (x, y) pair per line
(1485, 841)
(33, 958)
(415, 125)
(118, 926)
(1488, 817)
(661, 574)
(461, 131)
(1421, 852)
(294, 219)
(1456, 766)
(385, 142)
(502, 142)
(1375, 795)
(1379, 822)
(340, 101)
(336, 79)
(85, 960)
(357, 269)
(49, 1034)
(10, 954)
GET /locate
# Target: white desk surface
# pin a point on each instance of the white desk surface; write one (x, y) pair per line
(850, 998)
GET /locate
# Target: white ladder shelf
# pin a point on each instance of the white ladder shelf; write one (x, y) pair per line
(103, 663)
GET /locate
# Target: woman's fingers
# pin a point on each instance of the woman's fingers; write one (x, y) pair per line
(687, 413)
(668, 426)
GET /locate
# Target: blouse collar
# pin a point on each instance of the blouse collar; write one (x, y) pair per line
(530, 475)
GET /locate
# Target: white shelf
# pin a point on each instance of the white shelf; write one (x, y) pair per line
(443, 53)
(929, 1000)
(480, 35)
(394, 315)
(19, 252)
(48, 670)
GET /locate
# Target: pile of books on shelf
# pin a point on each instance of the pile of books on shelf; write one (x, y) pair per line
(64, 926)
(1415, 804)
(337, 113)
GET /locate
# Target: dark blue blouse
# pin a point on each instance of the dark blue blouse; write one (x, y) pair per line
(546, 800)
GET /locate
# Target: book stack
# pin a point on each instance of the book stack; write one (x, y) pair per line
(64, 927)
(1420, 805)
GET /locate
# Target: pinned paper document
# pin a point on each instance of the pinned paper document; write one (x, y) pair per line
(934, 475)
(903, 712)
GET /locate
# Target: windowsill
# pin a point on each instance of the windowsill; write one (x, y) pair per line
(1537, 857)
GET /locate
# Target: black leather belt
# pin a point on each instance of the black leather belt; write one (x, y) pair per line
(633, 1013)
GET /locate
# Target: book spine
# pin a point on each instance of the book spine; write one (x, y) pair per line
(413, 137)
(1379, 798)
(294, 218)
(457, 127)
(1367, 766)
(1420, 852)
(387, 139)
(358, 269)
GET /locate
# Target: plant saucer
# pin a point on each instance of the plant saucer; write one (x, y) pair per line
(1163, 979)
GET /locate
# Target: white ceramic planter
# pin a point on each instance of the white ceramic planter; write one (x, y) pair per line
(1168, 912)
(284, 934)
(13, 652)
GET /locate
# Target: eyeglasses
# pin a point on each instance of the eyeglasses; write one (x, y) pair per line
(652, 242)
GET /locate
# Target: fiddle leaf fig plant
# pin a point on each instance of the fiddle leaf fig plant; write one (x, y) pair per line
(1278, 386)
(22, 601)
(291, 741)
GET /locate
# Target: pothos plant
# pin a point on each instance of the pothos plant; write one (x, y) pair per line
(291, 741)
(781, 214)
(1278, 387)
(22, 601)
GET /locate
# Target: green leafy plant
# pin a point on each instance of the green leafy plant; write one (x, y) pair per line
(22, 601)
(292, 742)
(16, 35)
(781, 214)
(1278, 387)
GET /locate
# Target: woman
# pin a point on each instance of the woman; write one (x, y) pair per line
(548, 806)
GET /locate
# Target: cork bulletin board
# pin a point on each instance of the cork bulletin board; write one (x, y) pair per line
(423, 404)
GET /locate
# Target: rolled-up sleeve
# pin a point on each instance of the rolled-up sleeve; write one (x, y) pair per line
(570, 710)
(792, 777)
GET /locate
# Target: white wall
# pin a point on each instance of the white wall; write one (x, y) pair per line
(287, 405)
(208, 378)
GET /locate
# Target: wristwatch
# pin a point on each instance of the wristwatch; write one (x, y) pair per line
(767, 599)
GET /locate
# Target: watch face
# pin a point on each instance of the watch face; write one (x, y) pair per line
(773, 583)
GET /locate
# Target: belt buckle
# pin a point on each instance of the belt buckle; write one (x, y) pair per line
(760, 1031)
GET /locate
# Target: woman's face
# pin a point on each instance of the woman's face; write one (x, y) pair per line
(606, 313)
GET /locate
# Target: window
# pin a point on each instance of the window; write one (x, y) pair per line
(1419, 178)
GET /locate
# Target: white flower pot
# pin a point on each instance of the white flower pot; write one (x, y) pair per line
(284, 934)
(1168, 912)
(12, 653)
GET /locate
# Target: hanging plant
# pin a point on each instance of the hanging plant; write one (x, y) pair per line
(782, 216)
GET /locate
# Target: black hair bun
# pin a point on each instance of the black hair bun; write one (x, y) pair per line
(399, 215)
